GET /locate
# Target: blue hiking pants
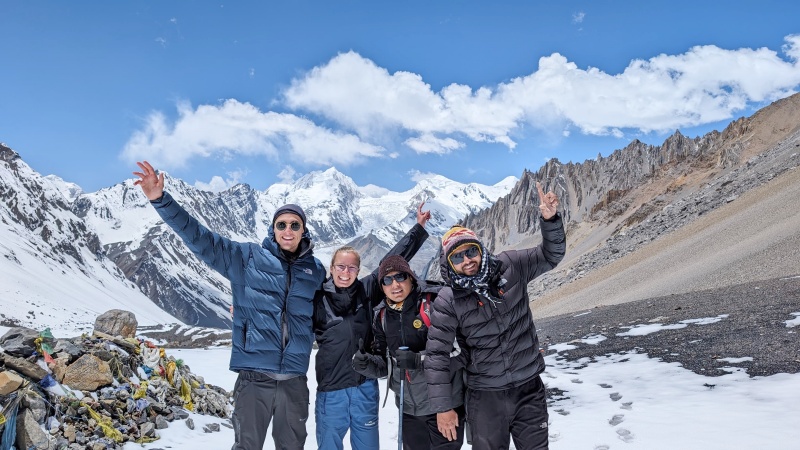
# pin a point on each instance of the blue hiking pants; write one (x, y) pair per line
(354, 408)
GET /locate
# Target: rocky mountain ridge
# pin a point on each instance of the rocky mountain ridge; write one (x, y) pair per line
(617, 205)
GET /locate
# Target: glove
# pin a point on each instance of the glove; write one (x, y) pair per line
(360, 358)
(408, 360)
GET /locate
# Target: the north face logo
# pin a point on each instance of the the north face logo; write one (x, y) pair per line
(543, 425)
(308, 271)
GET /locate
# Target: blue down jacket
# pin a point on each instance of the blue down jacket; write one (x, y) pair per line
(272, 295)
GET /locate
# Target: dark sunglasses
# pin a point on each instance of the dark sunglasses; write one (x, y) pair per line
(399, 277)
(280, 226)
(458, 258)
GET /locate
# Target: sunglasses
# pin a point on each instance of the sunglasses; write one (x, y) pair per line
(280, 226)
(458, 258)
(389, 279)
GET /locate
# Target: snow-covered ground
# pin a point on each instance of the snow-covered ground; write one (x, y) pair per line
(616, 401)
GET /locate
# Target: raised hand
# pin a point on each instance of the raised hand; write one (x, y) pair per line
(152, 185)
(548, 203)
(423, 217)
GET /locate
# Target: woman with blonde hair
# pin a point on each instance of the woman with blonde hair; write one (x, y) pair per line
(347, 400)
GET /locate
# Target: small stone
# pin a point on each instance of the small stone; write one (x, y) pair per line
(161, 423)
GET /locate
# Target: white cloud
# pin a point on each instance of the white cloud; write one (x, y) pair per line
(235, 128)
(287, 175)
(578, 17)
(704, 85)
(792, 47)
(218, 184)
(361, 96)
(417, 176)
(428, 143)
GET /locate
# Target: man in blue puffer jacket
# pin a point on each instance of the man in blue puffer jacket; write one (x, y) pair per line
(273, 287)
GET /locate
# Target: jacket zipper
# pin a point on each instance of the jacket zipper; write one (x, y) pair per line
(284, 331)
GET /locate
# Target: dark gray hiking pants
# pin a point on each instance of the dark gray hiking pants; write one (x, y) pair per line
(258, 399)
(520, 412)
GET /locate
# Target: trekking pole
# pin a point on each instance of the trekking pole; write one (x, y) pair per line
(402, 398)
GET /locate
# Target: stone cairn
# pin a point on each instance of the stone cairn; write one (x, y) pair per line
(96, 392)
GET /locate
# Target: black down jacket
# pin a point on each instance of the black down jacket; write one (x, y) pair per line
(500, 339)
(342, 317)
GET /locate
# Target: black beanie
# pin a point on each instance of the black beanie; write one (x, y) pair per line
(291, 209)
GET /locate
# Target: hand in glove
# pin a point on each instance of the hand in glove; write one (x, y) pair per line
(406, 359)
(360, 358)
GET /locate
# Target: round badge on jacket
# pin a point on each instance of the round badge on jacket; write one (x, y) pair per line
(417, 323)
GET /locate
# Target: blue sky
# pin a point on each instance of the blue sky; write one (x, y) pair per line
(258, 92)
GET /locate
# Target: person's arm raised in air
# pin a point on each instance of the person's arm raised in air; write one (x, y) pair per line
(535, 261)
(406, 247)
(223, 255)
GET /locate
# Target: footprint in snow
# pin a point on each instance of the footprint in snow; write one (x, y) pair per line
(625, 435)
(576, 381)
(601, 447)
(616, 420)
(605, 386)
(562, 412)
(627, 405)
(615, 396)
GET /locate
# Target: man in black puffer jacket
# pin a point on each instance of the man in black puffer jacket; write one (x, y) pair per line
(486, 307)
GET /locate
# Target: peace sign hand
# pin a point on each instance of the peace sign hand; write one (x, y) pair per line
(152, 185)
(548, 202)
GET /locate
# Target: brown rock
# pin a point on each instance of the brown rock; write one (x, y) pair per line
(9, 382)
(59, 367)
(117, 322)
(88, 373)
(24, 367)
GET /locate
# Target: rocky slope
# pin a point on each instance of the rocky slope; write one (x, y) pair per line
(648, 221)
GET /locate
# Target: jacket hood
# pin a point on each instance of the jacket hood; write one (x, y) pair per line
(343, 300)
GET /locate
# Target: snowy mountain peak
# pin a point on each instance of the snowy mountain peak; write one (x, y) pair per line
(70, 191)
(114, 234)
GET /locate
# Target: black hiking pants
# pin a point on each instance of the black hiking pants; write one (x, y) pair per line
(422, 433)
(257, 399)
(520, 412)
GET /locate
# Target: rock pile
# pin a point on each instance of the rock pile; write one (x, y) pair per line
(96, 392)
